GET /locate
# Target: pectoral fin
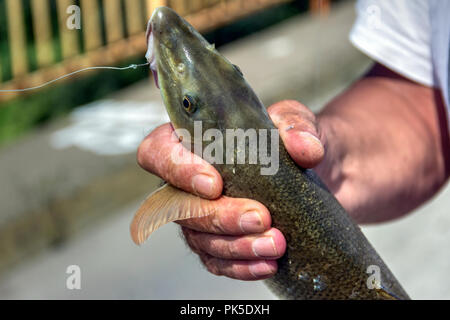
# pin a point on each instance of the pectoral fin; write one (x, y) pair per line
(165, 205)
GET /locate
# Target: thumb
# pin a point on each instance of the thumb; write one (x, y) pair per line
(298, 130)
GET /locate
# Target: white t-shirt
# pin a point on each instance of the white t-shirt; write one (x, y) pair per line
(411, 37)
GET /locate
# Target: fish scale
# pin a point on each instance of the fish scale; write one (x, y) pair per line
(323, 243)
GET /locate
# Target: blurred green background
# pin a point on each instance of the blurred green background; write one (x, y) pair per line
(30, 110)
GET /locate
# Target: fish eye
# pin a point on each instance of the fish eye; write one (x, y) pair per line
(188, 104)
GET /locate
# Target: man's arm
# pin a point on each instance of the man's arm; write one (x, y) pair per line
(379, 146)
(387, 146)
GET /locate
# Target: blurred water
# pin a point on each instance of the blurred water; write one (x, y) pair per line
(110, 127)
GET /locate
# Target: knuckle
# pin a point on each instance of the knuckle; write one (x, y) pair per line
(233, 249)
(190, 240)
(211, 265)
(193, 244)
(237, 271)
(216, 224)
(214, 248)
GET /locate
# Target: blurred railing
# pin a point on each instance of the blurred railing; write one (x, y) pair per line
(36, 49)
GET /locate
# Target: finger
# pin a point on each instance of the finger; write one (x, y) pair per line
(232, 216)
(269, 245)
(240, 269)
(298, 130)
(158, 155)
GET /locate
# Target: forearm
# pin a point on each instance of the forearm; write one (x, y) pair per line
(385, 147)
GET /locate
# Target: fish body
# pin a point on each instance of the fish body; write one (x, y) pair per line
(327, 255)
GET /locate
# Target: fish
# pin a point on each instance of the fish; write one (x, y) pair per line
(327, 255)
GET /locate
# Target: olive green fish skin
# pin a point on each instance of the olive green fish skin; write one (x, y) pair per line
(327, 255)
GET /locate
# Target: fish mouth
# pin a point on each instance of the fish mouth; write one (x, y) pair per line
(151, 53)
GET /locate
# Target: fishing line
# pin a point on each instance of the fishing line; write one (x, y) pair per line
(131, 66)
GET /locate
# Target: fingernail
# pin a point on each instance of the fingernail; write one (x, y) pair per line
(202, 184)
(307, 135)
(251, 222)
(260, 269)
(264, 247)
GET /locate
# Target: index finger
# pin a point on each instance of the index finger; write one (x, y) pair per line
(156, 155)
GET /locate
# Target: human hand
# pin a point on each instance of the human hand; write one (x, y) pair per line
(237, 240)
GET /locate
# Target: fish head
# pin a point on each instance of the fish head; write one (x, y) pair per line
(197, 83)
